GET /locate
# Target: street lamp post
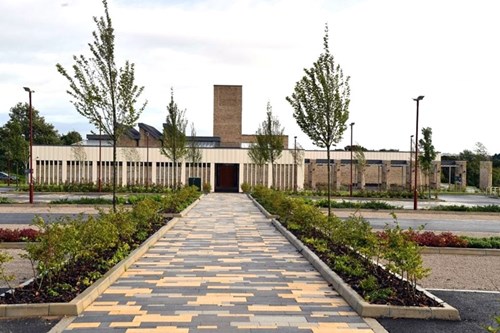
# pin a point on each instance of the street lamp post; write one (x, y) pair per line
(411, 158)
(99, 181)
(350, 184)
(415, 191)
(295, 163)
(147, 159)
(31, 189)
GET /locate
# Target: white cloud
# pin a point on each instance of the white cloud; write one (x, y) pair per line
(393, 50)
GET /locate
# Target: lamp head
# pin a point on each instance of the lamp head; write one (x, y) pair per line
(419, 98)
(351, 124)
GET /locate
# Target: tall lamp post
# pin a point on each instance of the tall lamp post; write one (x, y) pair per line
(99, 180)
(147, 159)
(31, 189)
(415, 191)
(411, 154)
(295, 163)
(350, 184)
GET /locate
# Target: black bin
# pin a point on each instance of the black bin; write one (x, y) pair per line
(196, 181)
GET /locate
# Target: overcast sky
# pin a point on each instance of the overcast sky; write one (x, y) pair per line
(393, 50)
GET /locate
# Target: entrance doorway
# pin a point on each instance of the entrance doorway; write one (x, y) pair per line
(227, 177)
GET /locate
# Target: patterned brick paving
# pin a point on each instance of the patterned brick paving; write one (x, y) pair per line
(222, 268)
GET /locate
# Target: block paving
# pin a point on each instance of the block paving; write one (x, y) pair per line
(222, 268)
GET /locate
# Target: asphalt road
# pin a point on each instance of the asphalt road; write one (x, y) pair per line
(483, 226)
(476, 311)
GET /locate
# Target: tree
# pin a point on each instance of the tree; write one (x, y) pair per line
(428, 154)
(101, 92)
(359, 155)
(321, 104)
(173, 145)
(15, 134)
(70, 138)
(269, 141)
(193, 150)
(257, 154)
(298, 157)
(474, 159)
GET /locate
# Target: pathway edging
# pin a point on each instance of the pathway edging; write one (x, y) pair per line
(362, 307)
(79, 303)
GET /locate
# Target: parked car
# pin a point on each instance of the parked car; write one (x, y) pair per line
(4, 177)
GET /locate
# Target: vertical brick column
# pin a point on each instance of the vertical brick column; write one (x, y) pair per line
(227, 114)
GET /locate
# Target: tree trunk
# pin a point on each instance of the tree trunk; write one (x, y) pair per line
(115, 173)
(329, 181)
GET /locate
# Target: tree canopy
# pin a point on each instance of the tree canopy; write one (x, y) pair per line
(321, 103)
(174, 135)
(15, 134)
(70, 138)
(103, 93)
(268, 145)
(428, 153)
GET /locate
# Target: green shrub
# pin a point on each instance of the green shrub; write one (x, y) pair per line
(4, 276)
(483, 243)
(463, 208)
(207, 188)
(246, 187)
(357, 205)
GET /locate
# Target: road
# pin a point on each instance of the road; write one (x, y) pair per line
(436, 221)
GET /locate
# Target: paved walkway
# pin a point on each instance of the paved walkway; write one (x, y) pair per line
(222, 268)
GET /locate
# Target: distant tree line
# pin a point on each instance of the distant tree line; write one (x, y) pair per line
(15, 134)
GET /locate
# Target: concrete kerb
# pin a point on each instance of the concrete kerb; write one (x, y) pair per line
(79, 303)
(363, 308)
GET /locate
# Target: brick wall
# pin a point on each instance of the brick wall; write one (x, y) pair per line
(227, 114)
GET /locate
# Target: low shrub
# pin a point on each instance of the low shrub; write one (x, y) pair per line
(463, 208)
(357, 205)
(4, 200)
(71, 253)
(18, 235)
(483, 243)
(348, 246)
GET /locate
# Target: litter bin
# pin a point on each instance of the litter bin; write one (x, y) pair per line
(195, 181)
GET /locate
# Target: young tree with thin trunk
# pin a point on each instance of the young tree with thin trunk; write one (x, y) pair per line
(269, 141)
(194, 155)
(428, 154)
(103, 93)
(174, 136)
(321, 104)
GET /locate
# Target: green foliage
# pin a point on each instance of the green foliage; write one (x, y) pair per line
(174, 135)
(193, 154)
(100, 91)
(473, 159)
(246, 187)
(4, 200)
(348, 246)
(463, 208)
(496, 328)
(483, 243)
(269, 141)
(207, 187)
(180, 200)
(403, 256)
(15, 134)
(428, 155)
(357, 205)
(4, 276)
(321, 103)
(70, 138)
